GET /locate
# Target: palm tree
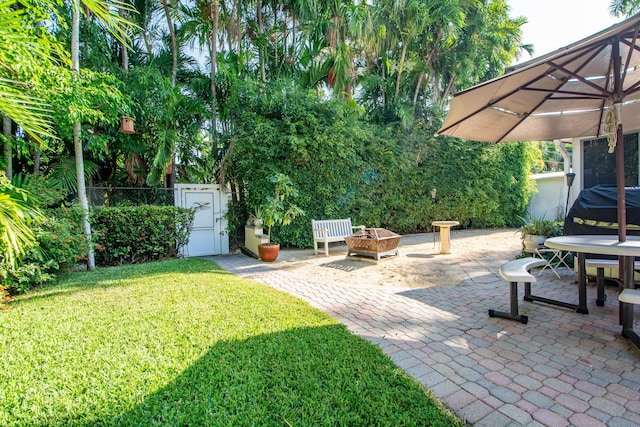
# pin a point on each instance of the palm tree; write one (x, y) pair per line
(202, 24)
(16, 213)
(624, 7)
(23, 41)
(107, 13)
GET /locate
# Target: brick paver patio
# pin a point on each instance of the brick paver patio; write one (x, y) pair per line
(561, 369)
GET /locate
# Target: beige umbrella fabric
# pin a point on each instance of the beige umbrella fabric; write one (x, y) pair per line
(589, 88)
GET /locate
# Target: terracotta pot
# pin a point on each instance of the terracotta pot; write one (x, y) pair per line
(269, 251)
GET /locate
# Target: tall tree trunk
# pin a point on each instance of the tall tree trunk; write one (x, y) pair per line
(403, 54)
(214, 57)
(124, 53)
(77, 142)
(174, 44)
(239, 34)
(263, 73)
(174, 77)
(417, 91)
(6, 131)
(36, 157)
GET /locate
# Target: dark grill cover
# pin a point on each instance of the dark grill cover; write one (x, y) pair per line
(595, 211)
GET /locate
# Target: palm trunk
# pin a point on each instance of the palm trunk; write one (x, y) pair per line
(174, 45)
(174, 77)
(417, 91)
(400, 69)
(263, 72)
(36, 159)
(236, 14)
(214, 57)
(6, 131)
(77, 142)
(124, 53)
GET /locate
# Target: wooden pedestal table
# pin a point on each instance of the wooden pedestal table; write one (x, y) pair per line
(445, 234)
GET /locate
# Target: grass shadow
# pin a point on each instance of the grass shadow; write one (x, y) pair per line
(312, 376)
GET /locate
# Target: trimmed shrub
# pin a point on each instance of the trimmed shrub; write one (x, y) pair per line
(135, 234)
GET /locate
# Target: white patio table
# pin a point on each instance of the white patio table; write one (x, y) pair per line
(603, 245)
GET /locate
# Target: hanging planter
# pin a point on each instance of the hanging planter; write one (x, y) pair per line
(126, 125)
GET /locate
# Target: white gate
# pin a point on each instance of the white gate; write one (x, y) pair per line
(209, 235)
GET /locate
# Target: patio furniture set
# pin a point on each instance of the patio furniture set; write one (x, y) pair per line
(375, 243)
(518, 271)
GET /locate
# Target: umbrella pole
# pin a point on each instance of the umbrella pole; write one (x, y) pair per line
(622, 205)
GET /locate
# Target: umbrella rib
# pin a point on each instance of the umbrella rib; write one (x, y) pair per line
(522, 117)
(632, 89)
(551, 92)
(578, 95)
(632, 48)
(604, 92)
(629, 55)
(491, 103)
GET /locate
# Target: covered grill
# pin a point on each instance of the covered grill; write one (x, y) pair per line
(595, 211)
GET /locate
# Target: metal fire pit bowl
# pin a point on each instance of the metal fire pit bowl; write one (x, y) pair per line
(373, 242)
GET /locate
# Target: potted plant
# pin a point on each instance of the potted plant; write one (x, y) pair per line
(256, 218)
(535, 231)
(278, 210)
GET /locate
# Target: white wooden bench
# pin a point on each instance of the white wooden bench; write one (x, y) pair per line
(331, 230)
(513, 272)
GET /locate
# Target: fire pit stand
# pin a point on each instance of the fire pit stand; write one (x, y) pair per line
(373, 242)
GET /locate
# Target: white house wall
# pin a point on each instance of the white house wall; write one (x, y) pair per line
(549, 200)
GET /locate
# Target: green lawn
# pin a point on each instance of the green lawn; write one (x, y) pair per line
(185, 343)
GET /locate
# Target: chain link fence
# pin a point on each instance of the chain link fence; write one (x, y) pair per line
(130, 196)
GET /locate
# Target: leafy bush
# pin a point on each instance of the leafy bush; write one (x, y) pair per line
(134, 234)
(378, 176)
(59, 245)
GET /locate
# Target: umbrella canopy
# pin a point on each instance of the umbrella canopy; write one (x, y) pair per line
(589, 88)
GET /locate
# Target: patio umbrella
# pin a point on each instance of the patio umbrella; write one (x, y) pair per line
(589, 88)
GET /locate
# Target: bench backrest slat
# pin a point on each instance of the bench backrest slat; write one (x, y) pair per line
(335, 227)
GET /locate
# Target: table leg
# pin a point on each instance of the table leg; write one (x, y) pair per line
(445, 240)
(582, 284)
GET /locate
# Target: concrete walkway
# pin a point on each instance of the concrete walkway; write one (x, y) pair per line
(560, 369)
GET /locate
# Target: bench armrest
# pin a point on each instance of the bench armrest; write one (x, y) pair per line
(324, 232)
(358, 227)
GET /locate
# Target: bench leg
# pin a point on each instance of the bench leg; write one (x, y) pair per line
(530, 298)
(601, 297)
(315, 246)
(631, 335)
(326, 248)
(514, 315)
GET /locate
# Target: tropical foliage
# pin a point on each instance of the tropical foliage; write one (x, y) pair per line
(376, 76)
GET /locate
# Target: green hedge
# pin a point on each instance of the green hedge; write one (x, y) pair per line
(378, 176)
(128, 235)
(59, 246)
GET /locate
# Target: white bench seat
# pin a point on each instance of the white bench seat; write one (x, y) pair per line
(600, 265)
(331, 230)
(630, 296)
(513, 272)
(518, 271)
